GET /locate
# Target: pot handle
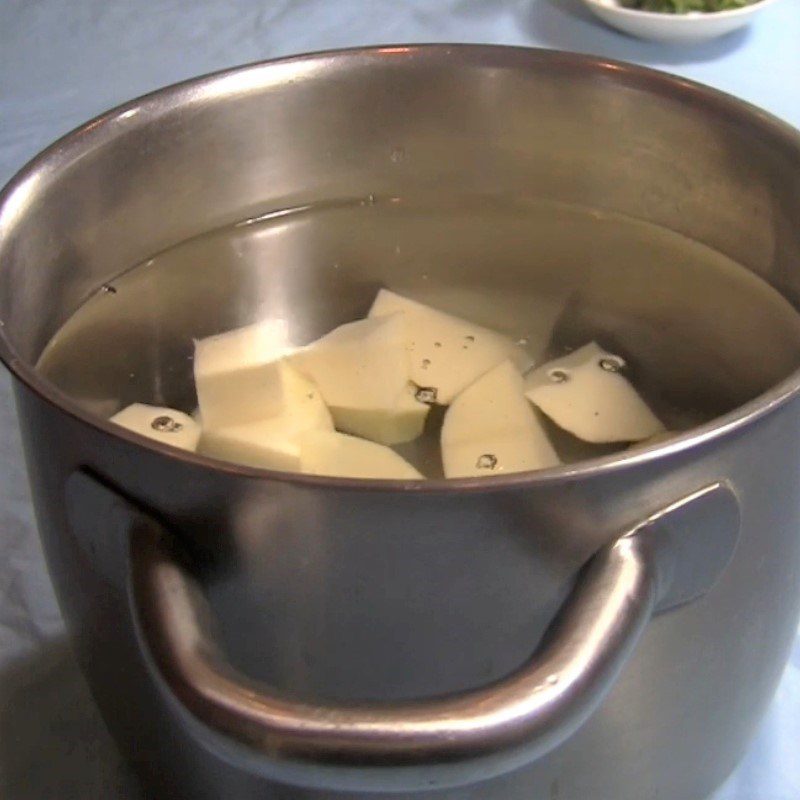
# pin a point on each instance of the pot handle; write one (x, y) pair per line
(443, 742)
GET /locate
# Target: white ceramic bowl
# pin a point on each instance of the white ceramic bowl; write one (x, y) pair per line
(674, 28)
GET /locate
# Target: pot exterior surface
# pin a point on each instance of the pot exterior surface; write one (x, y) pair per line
(462, 595)
(341, 593)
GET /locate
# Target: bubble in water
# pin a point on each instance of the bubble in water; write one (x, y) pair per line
(166, 425)
(107, 288)
(426, 394)
(523, 341)
(558, 375)
(437, 344)
(612, 364)
(486, 461)
(426, 362)
(398, 154)
(470, 338)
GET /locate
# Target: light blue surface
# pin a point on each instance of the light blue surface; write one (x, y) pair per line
(63, 62)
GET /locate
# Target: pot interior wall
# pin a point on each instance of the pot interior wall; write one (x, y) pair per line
(455, 174)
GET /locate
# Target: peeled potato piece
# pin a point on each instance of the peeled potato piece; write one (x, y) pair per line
(340, 455)
(165, 425)
(272, 443)
(236, 374)
(447, 353)
(362, 371)
(585, 394)
(261, 444)
(402, 422)
(490, 429)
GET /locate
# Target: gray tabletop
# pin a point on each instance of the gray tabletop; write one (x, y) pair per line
(64, 61)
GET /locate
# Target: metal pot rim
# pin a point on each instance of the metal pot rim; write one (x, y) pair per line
(148, 107)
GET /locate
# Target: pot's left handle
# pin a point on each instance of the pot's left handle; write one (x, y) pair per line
(425, 744)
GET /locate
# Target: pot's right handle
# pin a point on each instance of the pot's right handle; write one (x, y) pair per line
(447, 741)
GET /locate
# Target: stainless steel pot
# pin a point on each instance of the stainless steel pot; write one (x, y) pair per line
(254, 634)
